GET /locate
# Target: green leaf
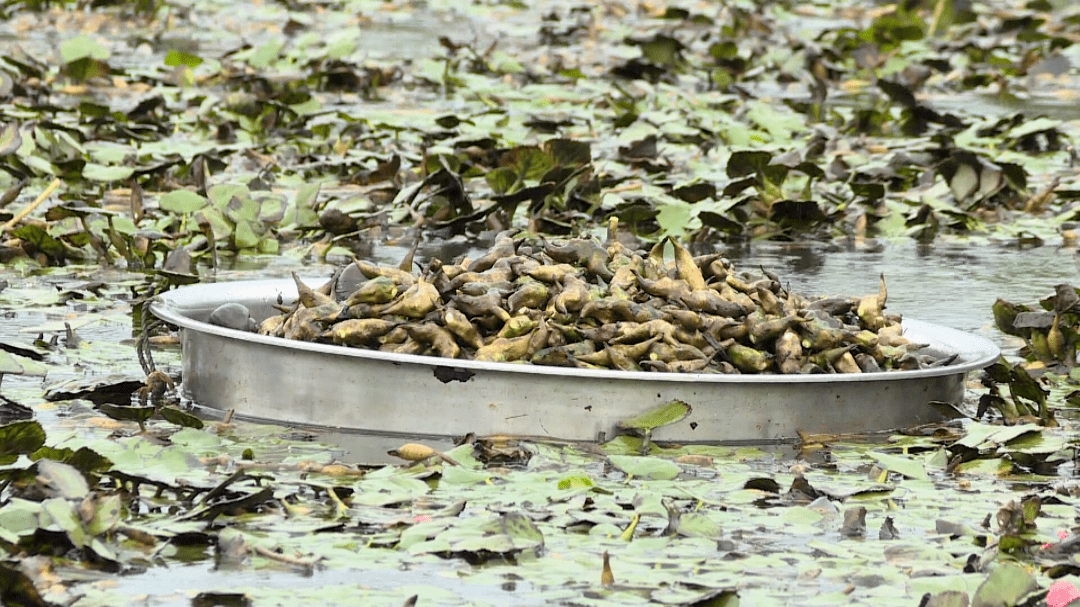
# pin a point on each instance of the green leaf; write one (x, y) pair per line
(263, 55)
(653, 468)
(222, 194)
(10, 139)
(301, 211)
(501, 179)
(244, 237)
(20, 517)
(964, 182)
(1006, 585)
(522, 530)
(663, 415)
(182, 201)
(107, 510)
(529, 162)
(64, 480)
(181, 418)
(98, 172)
(907, 466)
(575, 482)
(86, 460)
(124, 225)
(242, 208)
(20, 438)
(269, 246)
(568, 152)
(82, 47)
(699, 524)
(676, 218)
(127, 414)
(40, 238)
(9, 364)
(60, 513)
(983, 437)
(456, 475)
(175, 58)
(747, 162)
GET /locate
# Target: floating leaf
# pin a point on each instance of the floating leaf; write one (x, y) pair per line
(35, 234)
(80, 46)
(177, 58)
(181, 418)
(964, 182)
(10, 139)
(1006, 585)
(182, 201)
(20, 438)
(575, 482)
(907, 466)
(653, 468)
(97, 172)
(61, 480)
(127, 414)
(59, 514)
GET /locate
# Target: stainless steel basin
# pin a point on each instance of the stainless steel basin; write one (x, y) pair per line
(320, 384)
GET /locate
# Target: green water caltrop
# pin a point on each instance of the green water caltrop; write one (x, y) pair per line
(1050, 329)
(581, 303)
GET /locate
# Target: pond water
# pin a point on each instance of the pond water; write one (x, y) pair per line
(171, 587)
(949, 284)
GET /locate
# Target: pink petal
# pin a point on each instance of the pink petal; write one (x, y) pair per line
(423, 518)
(1062, 534)
(1061, 593)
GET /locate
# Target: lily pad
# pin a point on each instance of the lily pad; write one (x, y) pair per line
(653, 468)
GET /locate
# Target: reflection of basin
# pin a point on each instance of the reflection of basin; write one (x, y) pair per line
(308, 383)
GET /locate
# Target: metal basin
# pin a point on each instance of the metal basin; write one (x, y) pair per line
(321, 384)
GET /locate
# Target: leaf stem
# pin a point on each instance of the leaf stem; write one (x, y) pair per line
(33, 205)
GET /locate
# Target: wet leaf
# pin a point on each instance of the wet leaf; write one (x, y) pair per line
(1006, 585)
(907, 466)
(694, 524)
(97, 172)
(984, 436)
(58, 514)
(575, 482)
(653, 468)
(176, 58)
(128, 414)
(61, 480)
(657, 417)
(20, 438)
(10, 139)
(181, 418)
(41, 240)
(182, 201)
(78, 47)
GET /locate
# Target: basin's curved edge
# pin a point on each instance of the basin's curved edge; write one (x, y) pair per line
(328, 385)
